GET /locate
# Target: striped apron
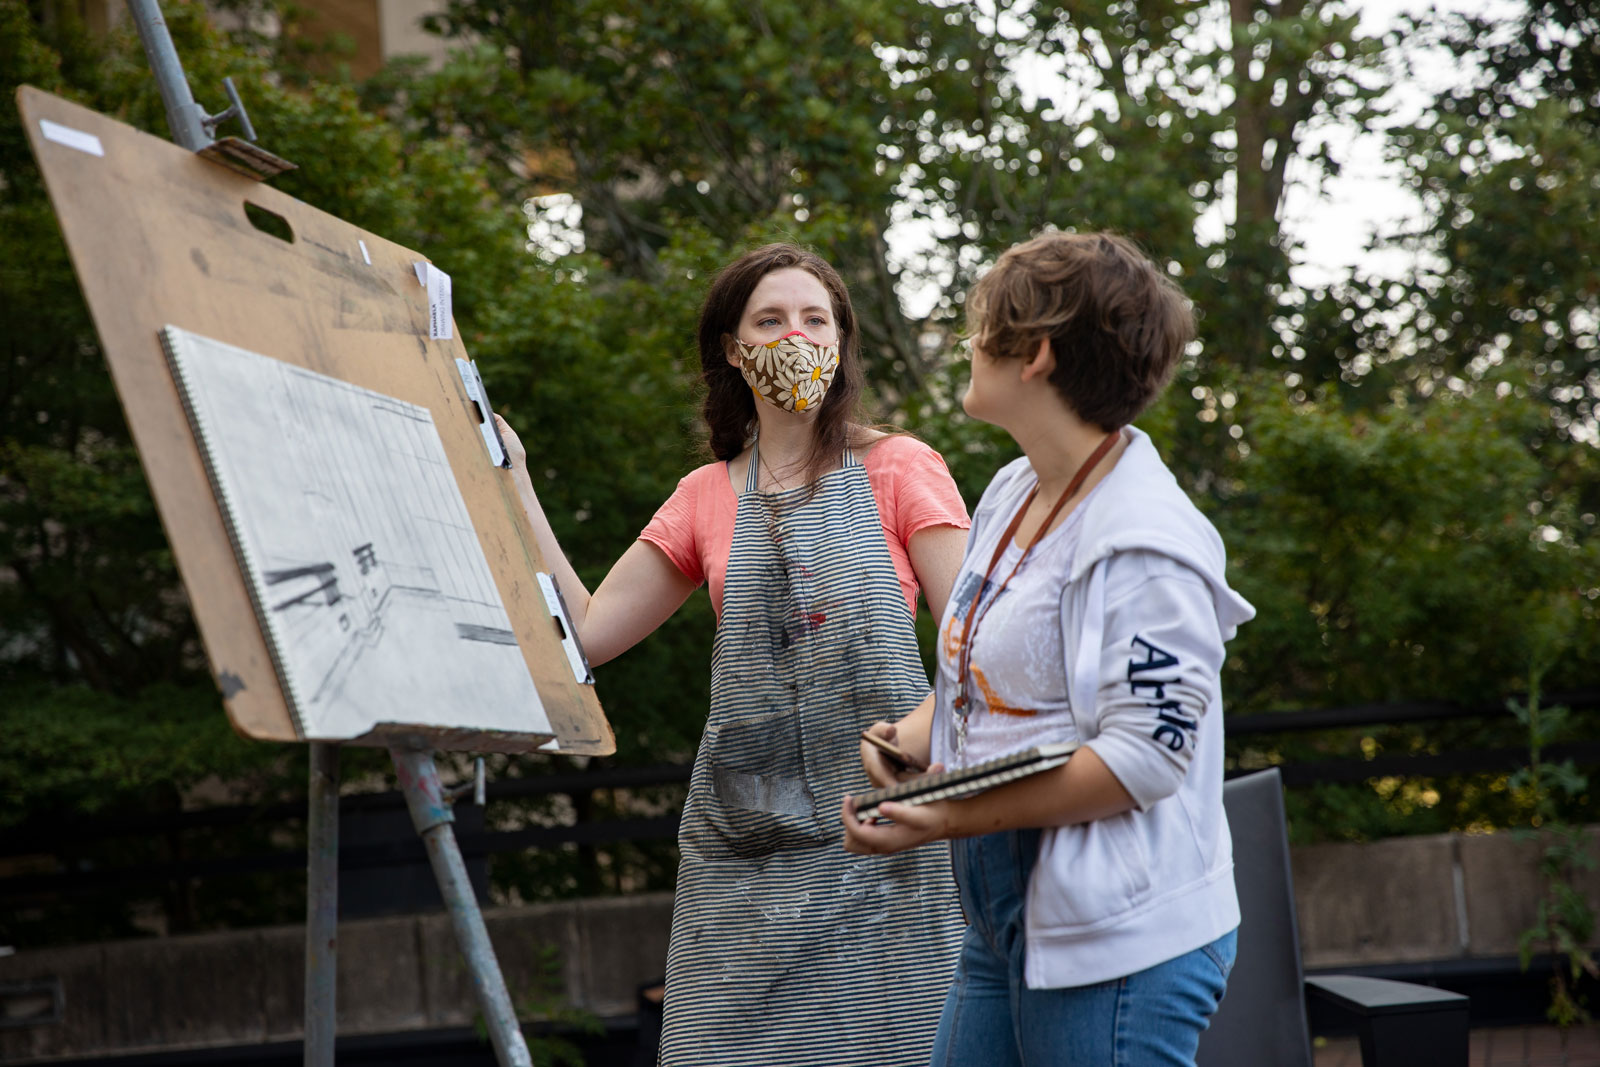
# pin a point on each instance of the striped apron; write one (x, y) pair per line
(785, 948)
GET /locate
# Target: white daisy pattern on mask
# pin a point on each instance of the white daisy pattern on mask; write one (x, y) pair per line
(810, 387)
(764, 359)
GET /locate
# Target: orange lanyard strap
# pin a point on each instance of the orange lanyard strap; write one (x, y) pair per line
(979, 609)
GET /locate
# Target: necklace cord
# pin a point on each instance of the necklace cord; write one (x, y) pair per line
(978, 610)
(761, 462)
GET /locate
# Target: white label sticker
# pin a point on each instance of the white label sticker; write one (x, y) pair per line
(364, 253)
(439, 322)
(437, 282)
(83, 142)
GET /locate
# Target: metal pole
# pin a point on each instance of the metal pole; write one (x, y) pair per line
(322, 905)
(431, 814)
(183, 114)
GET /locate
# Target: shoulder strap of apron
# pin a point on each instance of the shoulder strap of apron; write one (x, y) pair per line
(750, 474)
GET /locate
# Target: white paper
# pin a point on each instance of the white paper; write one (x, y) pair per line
(364, 253)
(439, 322)
(437, 283)
(83, 142)
(362, 558)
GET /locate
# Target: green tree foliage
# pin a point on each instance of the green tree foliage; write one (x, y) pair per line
(1375, 583)
(93, 616)
(1509, 165)
(1349, 536)
(981, 122)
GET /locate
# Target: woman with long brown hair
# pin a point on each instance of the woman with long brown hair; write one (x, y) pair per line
(814, 533)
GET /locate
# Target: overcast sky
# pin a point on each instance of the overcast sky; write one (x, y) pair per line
(1336, 226)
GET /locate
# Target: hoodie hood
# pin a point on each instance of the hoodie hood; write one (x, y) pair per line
(1140, 505)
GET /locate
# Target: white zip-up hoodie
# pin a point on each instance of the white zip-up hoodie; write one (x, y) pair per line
(1144, 615)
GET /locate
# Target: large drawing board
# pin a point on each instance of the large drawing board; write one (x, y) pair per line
(159, 237)
(359, 554)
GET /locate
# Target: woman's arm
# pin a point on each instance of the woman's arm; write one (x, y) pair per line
(936, 553)
(640, 592)
(1081, 790)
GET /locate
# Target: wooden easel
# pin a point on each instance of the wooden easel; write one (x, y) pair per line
(159, 235)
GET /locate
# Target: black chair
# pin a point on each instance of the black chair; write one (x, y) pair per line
(1262, 1021)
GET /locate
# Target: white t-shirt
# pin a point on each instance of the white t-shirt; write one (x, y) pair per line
(1017, 683)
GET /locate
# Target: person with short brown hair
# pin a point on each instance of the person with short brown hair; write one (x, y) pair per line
(1096, 296)
(1091, 609)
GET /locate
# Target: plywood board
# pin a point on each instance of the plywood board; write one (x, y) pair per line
(159, 236)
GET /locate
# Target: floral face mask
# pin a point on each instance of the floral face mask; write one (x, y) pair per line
(793, 372)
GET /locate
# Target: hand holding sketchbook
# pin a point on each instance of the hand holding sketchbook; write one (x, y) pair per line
(965, 781)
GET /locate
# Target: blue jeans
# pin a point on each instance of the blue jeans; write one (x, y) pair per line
(992, 1019)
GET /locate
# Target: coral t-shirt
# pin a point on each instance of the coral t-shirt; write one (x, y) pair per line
(910, 483)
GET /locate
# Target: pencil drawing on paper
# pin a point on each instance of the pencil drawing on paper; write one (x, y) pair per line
(369, 579)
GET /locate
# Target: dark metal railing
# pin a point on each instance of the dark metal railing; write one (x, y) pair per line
(62, 837)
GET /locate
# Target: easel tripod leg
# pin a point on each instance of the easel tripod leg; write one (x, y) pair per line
(322, 904)
(431, 814)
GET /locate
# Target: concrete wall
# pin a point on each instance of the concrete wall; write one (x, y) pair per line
(1404, 900)
(394, 975)
(1443, 897)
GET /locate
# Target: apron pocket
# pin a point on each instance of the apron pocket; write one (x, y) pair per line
(761, 799)
(758, 763)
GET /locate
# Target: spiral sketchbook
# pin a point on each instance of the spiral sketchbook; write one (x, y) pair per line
(372, 589)
(965, 781)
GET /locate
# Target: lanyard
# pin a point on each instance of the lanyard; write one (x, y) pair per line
(979, 609)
